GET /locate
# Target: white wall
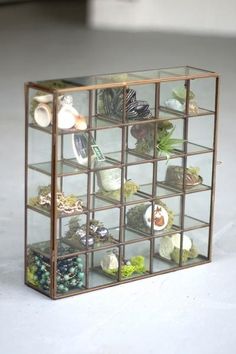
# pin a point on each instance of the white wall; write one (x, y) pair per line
(200, 16)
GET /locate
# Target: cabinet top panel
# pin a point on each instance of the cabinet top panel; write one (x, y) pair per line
(122, 79)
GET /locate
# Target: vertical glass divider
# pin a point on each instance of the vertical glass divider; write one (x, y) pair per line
(54, 157)
(183, 196)
(214, 162)
(88, 186)
(123, 173)
(26, 178)
(154, 171)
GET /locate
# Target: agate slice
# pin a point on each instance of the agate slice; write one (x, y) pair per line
(160, 217)
(80, 148)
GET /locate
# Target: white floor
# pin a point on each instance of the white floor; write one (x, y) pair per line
(192, 311)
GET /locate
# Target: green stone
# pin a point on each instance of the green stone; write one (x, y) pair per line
(61, 287)
(72, 270)
(81, 275)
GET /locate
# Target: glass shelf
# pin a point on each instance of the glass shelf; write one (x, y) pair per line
(193, 223)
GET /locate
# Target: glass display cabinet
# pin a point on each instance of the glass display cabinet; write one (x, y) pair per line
(120, 177)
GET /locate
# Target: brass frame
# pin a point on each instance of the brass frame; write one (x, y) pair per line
(124, 124)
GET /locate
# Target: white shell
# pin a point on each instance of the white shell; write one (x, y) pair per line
(110, 180)
(172, 103)
(44, 98)
(109, 262)
(43, 115)
(66, 117)
(161, 217)
(187, 242)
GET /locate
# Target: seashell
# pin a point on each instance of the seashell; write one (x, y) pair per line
(66, 117)
(43, 115)
(172, 103)
(109, 262)
(110, 180)
(187, 242)
(160, 217)
(44, 98)
(80, 122)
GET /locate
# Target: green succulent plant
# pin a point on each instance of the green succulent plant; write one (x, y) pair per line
(166, 144)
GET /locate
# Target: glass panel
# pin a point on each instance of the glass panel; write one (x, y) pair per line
(39, 185)
(173, 96)
(123, 78)
(39, 147)
(197, 209)
(109, 141)
(204, 90)
(205, 125)
(38, 251)
(200, 172)
(200, 242)
(103, 267)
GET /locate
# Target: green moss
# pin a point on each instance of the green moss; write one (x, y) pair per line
(30, 276)
(138, 263)
(193, 253)
(175, 255)
(127, 271)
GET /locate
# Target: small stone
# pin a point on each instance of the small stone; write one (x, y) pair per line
(90, 239)
(102, 232)
(81, 275)
(72, 270)
(61, 287)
